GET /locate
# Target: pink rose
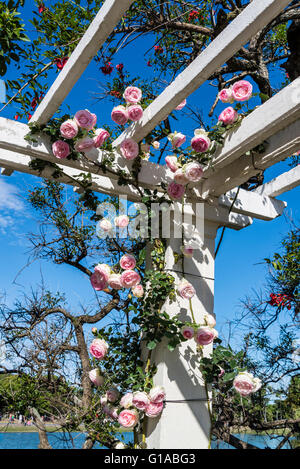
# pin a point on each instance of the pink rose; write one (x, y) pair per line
(222, 372)
(205, 335)
(130, 278)
(128, 418)
(127, 262)
(119, 115)
(186, 290)
(242, 90)
(200, 143)
(157, 394)
(193, 171)
(98, 281)
(69, 129)
(129, 149)
(135, 112)
(132, 95)
(84, 144)
(156, 144)
(138, 291)
(177, 139)
(115, 282)
(112, 395)
(243, 384)
(154, 410)
(172, 163)
(126, 400)
(175, 190)
(121, 221)
(181, 105)
(104, 270)
(180, 177)
(60, 149)
(228, 116)
(225, 95)
(96, 378)
(140, 400)
(98, 348)
(187, 332)
(105, 225)
(187, 251)
(101, 136)
(85, 119)
(209, 320)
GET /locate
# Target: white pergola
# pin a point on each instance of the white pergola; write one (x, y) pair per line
(185, 424)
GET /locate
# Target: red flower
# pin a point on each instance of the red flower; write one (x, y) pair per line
(17, 117)
(158, 49)
(120, 67)
(193, 15)
(149, 63)
(117, 94)
(280, 300)
(42, 8)
(60, 63)
(107, 69)
(29, 116)
(287, 75)
(34, 102)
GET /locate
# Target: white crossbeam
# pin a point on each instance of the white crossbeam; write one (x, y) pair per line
(251, 20)
(101, 27)
(252, 204)
(283, 183)
(280, 146)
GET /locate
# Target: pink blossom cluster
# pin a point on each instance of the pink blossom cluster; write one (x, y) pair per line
(240, 91)
(83, 121)
(203, 334)
(189, 172)
(103, 277)
(132, 111)
(245, 383)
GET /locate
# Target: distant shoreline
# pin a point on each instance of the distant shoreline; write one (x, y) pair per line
(16, 428)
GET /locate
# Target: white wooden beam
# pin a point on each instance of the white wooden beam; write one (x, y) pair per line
(283, 183)
(253, 204)
(101, 27)
(280, 146)
(251, 20)
(6, 171)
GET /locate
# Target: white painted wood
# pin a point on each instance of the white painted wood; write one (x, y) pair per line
(283, 183)
(253, 204)
(280, 146)
(6, 171)
(101, 27)
(228, 42)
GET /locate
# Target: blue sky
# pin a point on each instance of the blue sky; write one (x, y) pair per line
(239, 267)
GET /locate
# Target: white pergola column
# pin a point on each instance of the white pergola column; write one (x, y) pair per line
(185, 425)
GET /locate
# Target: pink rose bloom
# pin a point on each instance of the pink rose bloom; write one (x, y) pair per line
(138, 291)
(156, 145)
(104, 270)
(85, 119)
(205, 335)
(119, 115)
(121, 221)
(209, 320)
(180, 177)
(187, 251)
(130, 278)
(243, 384)
(181, 105)
(140, 400)
(128, 418)
(127, 262)
(135, 112)
(115, 282)
(177, 139)
(154, 410)
(225, 95)
(112, 395)
(101, 136)
(132, 95)
(157, 394)
(126, 400)
(98, 281)
(186, 290)
(193, 171)
(175, 190)
(228, 116)
(84, 144)
(242, 90)
(200, 143)
(172, 163)
(96, 378)
(98, 348)
(60, 149)
(105, 225)
(69, 129)
(129, 149)
(187, 332)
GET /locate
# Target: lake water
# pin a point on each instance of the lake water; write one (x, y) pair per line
(75, 440)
